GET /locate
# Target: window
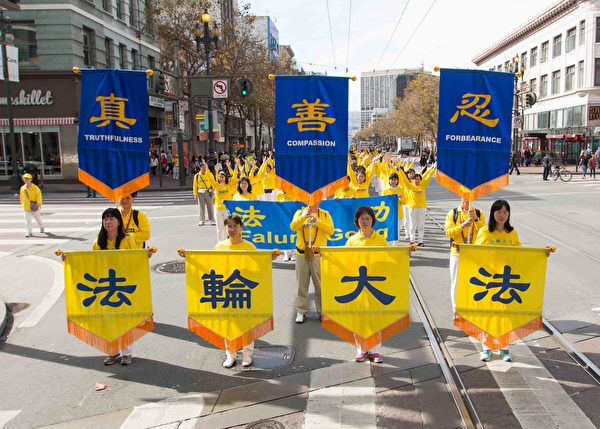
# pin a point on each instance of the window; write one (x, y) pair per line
(108, 52)
(553, 118)
(119, 8)
(35, 147)
(26, 41)
(135, 58)
(106, 5)
(506, 65)
(152, 79)
(581, 32)
(598, 29)
(122, 56)
(555, 85)
(132, 14)
(524, 59)
(597, 72)
(544, 53)
(569, 78)
(533, 85)
(556, 46)
(570, 41)
(543, 86)
(533, 56)
(87, 47)
(543, 120)
(580, 75)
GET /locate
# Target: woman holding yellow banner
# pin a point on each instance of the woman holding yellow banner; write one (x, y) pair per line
(364, 218)
(498, 233)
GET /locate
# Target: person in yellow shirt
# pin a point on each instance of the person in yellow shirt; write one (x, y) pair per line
(394, 189)
(269, 179)
(244, 191)
(364, 218)
(224, 189)
(202, 193)
(344, 192)
(257, 176)
(282, 197)
(135, 221)
(313, 226)
(417, 204)
(499, 232)
(360, 179)
(31, 201)
(462, 224)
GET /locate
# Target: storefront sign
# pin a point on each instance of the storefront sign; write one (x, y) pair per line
(593, 113)
(12, 54)
(34, 98)
(156, 102)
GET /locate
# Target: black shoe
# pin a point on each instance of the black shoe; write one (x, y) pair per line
(110, 360)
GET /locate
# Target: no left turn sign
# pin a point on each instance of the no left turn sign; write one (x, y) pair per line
(220, 88)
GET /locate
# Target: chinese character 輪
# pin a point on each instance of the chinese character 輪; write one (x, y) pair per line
(111, 289)
(363, 281)
(477, 102)
(112, 109)
(311, 116)
(505, 285)
(230, 291)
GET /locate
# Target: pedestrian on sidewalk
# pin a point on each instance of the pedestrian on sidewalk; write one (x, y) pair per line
(514, 163)
(583, 163)
(592, 164)
(546, 162)
(364, 219)
(499, 232)
(90, 192)
(31, 201)
(203, 194)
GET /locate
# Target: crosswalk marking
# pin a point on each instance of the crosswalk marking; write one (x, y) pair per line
(164, 412)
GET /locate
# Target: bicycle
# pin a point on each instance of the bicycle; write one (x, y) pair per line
(560, 171)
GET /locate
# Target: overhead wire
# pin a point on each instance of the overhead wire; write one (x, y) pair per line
(392, 36)
(348, 43)
(331, 34)
(414, 32)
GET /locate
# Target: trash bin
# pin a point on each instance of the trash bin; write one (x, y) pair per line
(33, 170)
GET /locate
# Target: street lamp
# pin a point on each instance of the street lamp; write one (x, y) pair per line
(518, 68)
(4, 28)
(204, 37)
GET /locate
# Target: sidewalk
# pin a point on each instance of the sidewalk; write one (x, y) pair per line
(168, 184)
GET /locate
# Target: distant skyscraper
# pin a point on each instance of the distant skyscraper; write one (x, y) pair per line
(379, 90)
(266, 30)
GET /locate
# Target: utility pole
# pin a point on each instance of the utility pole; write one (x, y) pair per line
(179, 130)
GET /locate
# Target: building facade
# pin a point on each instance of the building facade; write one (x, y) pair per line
(52, 39)
(379, 90)
(267, 31)
(559, 50)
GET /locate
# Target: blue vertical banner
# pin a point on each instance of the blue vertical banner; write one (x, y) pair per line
(474, 131)
(311, 135)
(113, 142)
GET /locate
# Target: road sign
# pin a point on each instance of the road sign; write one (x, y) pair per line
(220, 88)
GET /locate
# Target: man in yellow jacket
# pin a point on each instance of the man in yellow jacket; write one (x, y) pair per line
(31, 201)
(135, 222)
(312, 226)
(462, 224)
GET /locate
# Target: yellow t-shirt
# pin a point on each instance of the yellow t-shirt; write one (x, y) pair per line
(29, 195)
(504, 238)
(127, 243)
(282, 197)
(359, 240)
(227, 245)
(244, 197)
(398, 190)
(457, 233)
(343, 193)
(141, 232)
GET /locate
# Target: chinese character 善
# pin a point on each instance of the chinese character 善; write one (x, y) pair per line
(311, 116)
(477, 102)
(111, 289)
(250, 217)
(363, 281)
(505, 285)
(112, 109)
(230, 291)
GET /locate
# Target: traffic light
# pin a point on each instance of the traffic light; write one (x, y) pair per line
(530, 98)
(243, 87)
(161, 83)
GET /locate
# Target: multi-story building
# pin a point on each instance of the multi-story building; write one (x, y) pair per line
(266, 31)
(559, 50)
(379, 90)
(52, 39)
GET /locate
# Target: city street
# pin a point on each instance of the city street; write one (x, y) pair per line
(50, 378)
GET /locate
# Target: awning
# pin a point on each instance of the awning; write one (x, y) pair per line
(19, 122)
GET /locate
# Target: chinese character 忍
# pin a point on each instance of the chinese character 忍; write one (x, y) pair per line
(477, 102)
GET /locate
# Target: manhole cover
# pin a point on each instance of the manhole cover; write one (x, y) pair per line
(266, 424)
(270, 357)
(171, 267)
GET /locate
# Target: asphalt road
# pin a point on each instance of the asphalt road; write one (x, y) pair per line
(48, 376)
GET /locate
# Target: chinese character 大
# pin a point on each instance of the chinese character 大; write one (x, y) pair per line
(363, 281)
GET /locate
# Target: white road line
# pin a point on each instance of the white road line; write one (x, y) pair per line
(70, 208)
(12, 242)
(344, 406)
(4, 254)
(7, 415)
(171, 217)
(545, 403)
(51, 297)
(48, 220)
(168, 411)
(53, 230)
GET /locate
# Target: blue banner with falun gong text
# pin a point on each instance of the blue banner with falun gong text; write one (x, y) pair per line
(311, 135)
(474, 131)
(113, 142)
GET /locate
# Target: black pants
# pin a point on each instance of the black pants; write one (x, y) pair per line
(546, 172)
(514, 166)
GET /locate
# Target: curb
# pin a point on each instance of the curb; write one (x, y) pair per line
(3, 316)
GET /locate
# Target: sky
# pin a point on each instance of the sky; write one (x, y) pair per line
(445, 33)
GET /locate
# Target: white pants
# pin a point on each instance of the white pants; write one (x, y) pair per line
(417, 224)
(36, 216)
(397, 242)
(220, 216)
(453, 278)
(406, 222)
(246, 352)
(374, 349)
(486, 348)
(265, 197)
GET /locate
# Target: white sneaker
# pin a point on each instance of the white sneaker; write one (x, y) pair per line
(293, 258)
(287, 258)
(200, 223)
(28, 235)
(229, 362)
(42, 230)
(299, 318)
(212, 222)
(247, 363)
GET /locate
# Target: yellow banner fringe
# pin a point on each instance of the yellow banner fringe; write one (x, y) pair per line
(496, 343)
(111, 347)
(314, 198)
(365, 343)
(128, 188)
(235, 344)
(471, 194)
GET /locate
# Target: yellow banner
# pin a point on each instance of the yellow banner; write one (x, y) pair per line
(365, 292)
(500, 292)
(108, 297)
(229, 296)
